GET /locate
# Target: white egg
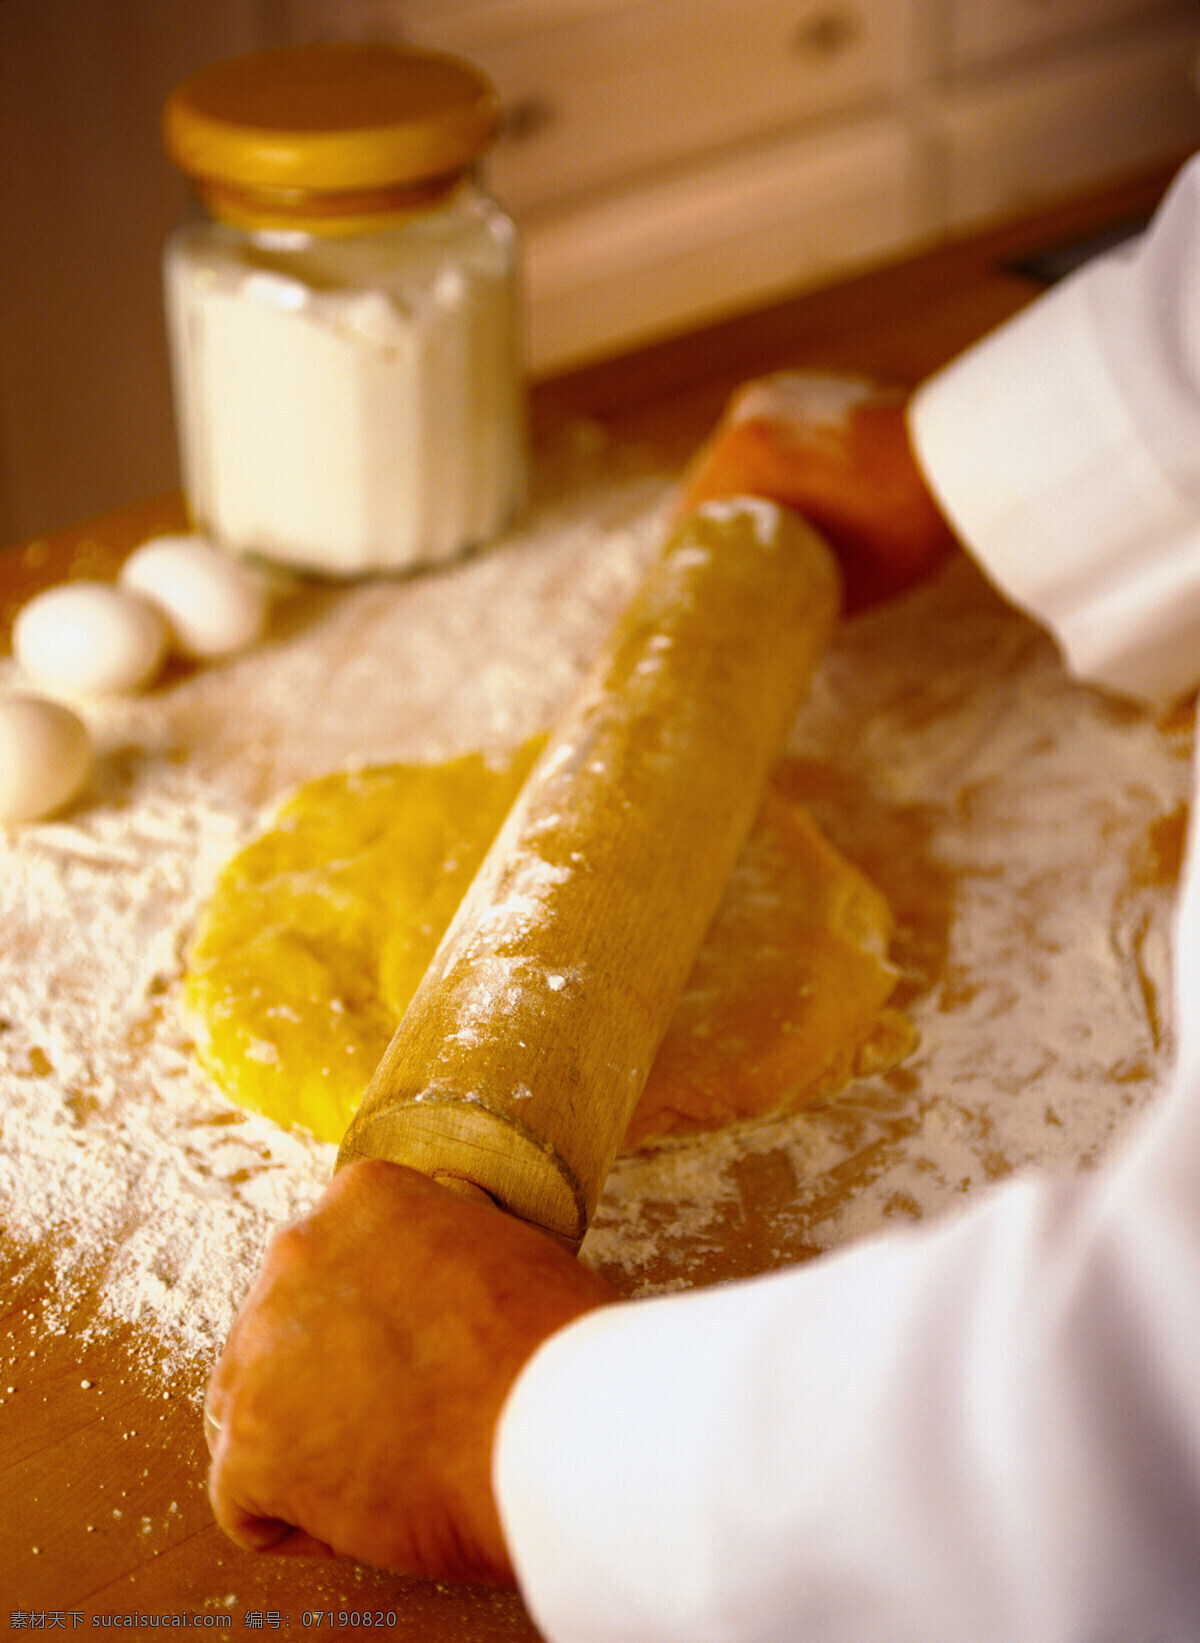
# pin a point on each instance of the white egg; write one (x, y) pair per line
(45, 757)
(89, 639)
(214, 604)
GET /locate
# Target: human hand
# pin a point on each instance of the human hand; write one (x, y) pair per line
(835, 449)
(355, 1403)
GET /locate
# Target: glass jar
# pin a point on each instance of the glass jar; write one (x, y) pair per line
(344, 327)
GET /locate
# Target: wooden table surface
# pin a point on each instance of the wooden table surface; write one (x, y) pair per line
(102, 1503)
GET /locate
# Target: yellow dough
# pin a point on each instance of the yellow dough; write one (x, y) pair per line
(318, 932)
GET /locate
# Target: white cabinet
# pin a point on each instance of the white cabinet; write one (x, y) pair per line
(672, 160)
(601, 93)
(986, 31)
(1014, 142)
(747, 228)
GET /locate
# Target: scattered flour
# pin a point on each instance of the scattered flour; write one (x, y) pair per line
(811, 399)
(1020, 824)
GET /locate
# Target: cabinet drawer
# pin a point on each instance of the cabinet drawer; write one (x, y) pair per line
(661, 258)
(982, 31)
(1019, 144)
(600, 91)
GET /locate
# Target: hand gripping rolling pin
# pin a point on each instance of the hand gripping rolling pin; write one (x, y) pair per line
(522, 1054)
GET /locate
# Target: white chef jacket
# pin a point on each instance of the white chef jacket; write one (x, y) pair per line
(986, 1427)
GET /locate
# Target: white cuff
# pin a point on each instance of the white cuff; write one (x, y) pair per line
(1036, 460)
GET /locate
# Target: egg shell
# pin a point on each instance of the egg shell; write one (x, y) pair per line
(45, 757)
(214, 605)
(89, 639)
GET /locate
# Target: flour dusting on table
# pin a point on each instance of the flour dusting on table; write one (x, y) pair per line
(1022, 826)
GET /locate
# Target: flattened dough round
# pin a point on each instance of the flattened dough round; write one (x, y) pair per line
(318, 932)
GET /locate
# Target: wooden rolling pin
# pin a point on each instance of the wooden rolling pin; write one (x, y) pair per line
(522, 1054)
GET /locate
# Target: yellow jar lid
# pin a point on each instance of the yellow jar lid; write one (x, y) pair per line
(329, 119)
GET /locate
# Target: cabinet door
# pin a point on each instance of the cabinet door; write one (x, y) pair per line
(1019, 143)
(662, 257)
(982, 31)
(600, 91)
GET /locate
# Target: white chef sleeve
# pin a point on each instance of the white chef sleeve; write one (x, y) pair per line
(984, 1431)
(1065, 449)
(987, 1428)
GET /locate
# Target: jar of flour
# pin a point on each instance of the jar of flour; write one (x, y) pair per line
(344, 326)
